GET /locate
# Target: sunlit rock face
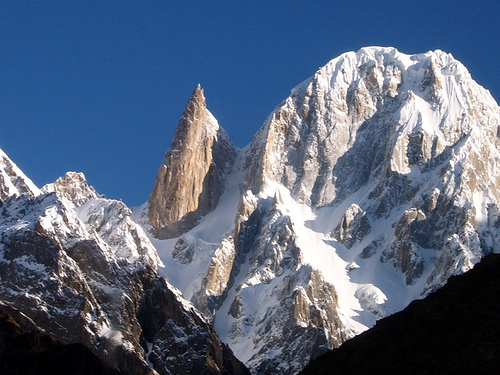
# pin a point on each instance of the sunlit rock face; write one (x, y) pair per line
(368, 187)
(192, 175)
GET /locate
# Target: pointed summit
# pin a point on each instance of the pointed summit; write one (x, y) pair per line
(13, 182)
(191, 178)
(198, 96)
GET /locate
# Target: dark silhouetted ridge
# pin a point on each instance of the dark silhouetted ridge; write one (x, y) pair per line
(29, 351)
(455, 330)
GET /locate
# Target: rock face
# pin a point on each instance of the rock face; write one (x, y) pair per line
(79, 266)
(455, 330)
(368, 187)
(353, 227)
(191, 179)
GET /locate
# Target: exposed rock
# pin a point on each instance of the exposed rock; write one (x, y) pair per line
(191, 179)
(307, 306)
(79, 267)
(73, 187)
(183, 251)
(183, 342)
(287, 309)
(403, 252)
(353, 226)
(215, 283)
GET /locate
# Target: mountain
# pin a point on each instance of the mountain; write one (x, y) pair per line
(190, 180)
(77, 265)
(368, 187)
(455, 330)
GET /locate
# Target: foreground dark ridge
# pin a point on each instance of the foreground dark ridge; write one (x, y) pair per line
(25, 350)
(455, 330)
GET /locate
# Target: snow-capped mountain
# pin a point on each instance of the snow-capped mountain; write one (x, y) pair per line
(369, 186)
(13, 182)
(80, 268)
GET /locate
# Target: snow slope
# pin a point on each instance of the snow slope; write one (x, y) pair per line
(12, 180)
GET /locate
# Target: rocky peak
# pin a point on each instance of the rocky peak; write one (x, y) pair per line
(74, 187)
(191, 178)
(13, 182)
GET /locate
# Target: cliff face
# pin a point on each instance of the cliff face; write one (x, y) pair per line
(191, 179)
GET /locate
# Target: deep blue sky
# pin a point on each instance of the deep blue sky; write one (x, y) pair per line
(99, 86)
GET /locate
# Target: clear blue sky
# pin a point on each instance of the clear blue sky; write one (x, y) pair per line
(99, 86)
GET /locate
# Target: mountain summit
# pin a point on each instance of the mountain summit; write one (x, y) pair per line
(368, 187)
(189, 182)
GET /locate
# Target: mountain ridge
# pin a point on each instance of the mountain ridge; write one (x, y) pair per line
(368, 187)
(80, 267)
(382, 163)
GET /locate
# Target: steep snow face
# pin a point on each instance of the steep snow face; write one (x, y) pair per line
(81, 268)
(368, 187)
(13, 182)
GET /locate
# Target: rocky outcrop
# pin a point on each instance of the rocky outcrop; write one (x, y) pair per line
(191, 179)
(73, 187)
(354, 226)
(403, 251)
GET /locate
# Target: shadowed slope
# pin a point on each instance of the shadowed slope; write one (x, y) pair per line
(455, 330)
(26, 350)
